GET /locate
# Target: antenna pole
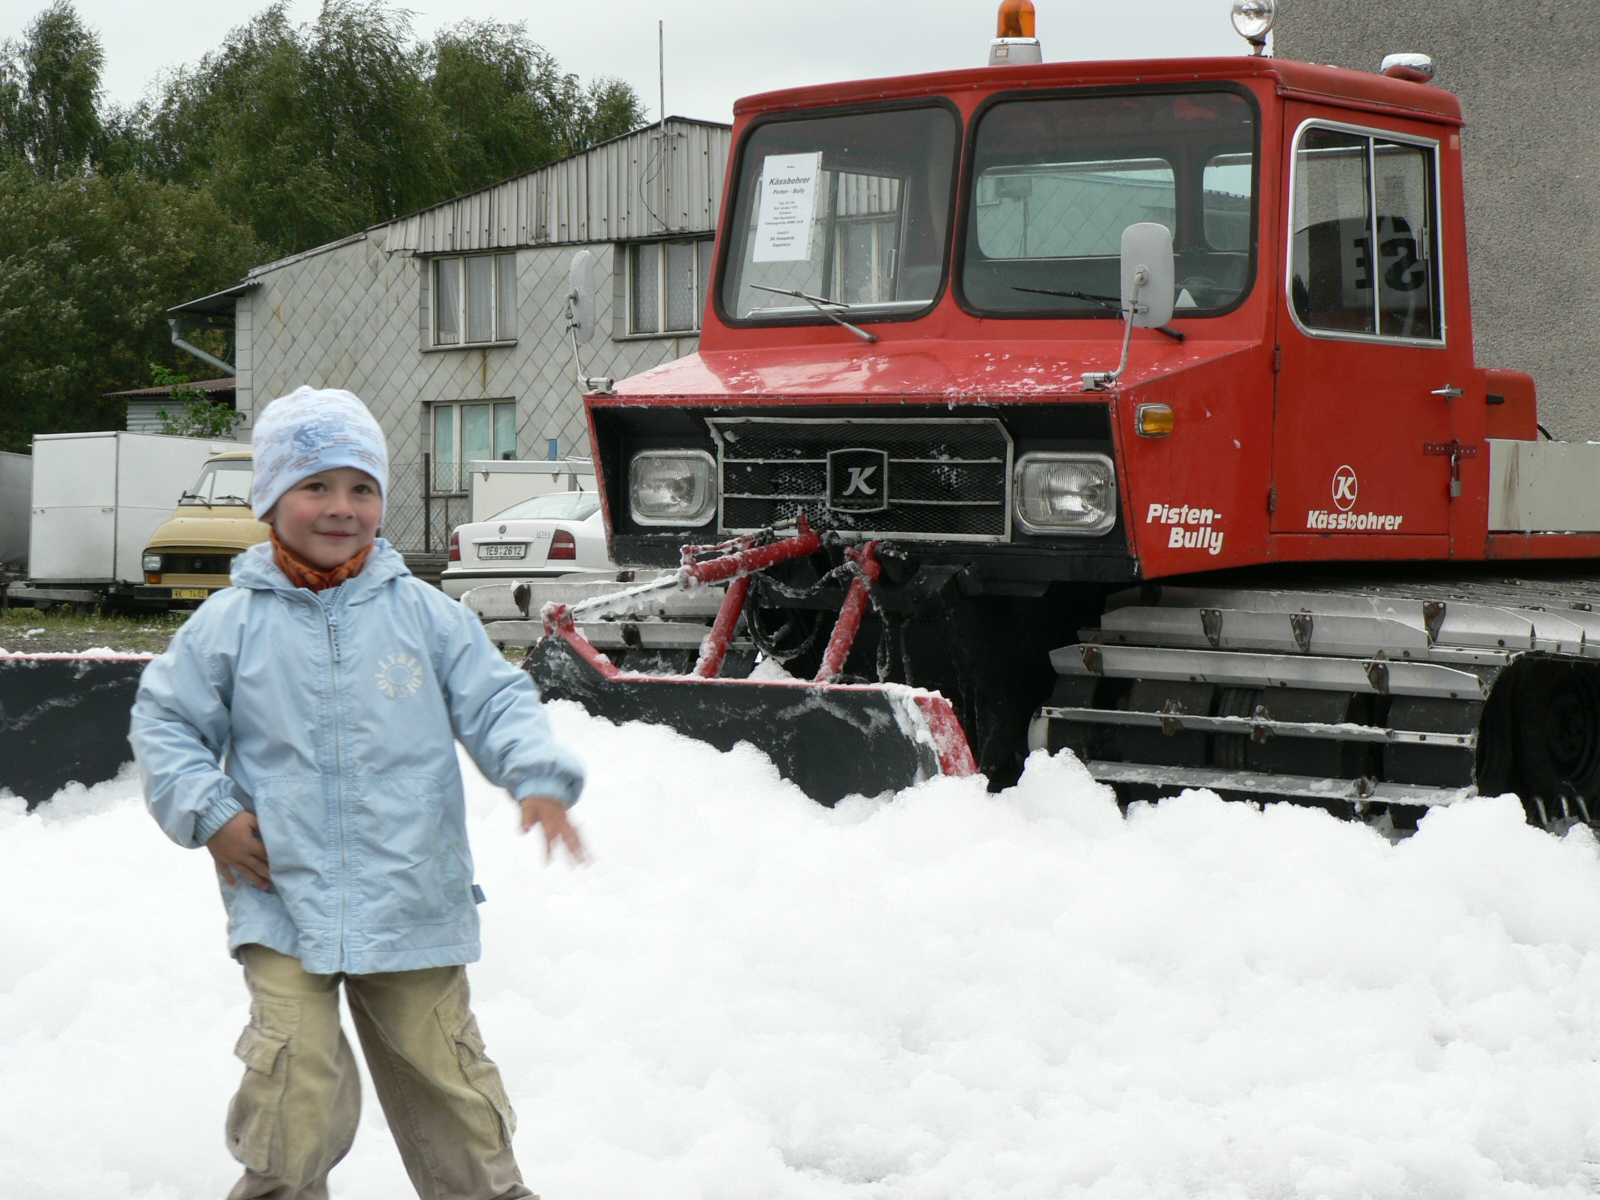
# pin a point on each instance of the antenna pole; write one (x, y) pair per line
(661, 51)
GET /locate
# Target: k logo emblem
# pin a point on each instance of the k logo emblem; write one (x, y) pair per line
(1344, 488)
(858, 480)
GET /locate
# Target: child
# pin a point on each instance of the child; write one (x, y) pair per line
(302, 728)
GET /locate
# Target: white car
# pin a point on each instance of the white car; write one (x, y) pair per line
(561, 533)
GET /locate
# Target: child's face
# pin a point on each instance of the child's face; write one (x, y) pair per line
(330, 517)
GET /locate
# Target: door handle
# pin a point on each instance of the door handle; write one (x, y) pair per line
(1449, 391)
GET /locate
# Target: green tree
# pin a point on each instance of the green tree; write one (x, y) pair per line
(50, 94)
(508, 106)
(314, 132)
(200, 416)
(308, 134)
(88, 266)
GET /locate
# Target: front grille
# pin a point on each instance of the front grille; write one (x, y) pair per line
(196, 564)
(947, 479)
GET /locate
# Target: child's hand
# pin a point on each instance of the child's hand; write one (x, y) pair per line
(237, 846)
(552, 814)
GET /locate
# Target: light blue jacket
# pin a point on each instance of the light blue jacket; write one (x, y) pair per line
(333, 717)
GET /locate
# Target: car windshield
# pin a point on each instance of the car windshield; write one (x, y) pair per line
(1057, 180)
(559, 506)
(226, 482)
(851, 210)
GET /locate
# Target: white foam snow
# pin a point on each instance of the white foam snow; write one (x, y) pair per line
(947, 995)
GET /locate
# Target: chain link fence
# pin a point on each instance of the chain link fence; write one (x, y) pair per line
(418, 519)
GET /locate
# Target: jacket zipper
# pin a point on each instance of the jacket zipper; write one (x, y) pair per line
(332, 630)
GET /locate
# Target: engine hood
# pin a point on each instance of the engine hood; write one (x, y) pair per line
(229, 527)
(951, 371)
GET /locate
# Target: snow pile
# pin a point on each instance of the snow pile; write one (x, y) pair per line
(951, 994)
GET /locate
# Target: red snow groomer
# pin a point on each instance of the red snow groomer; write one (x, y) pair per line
(1125, 407)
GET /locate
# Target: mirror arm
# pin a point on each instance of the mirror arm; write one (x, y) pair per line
(603, 384)
(1099, 381)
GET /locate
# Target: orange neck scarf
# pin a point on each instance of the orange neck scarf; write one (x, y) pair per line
(303, 574)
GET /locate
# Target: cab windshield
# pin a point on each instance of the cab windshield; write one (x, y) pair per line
(1057, 180)
(852, 211)
(222, 483)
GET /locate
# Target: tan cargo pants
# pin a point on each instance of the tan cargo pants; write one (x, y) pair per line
(295, 1114)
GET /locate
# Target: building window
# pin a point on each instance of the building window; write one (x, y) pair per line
(467, 433)
(667, 286)
(475, 299)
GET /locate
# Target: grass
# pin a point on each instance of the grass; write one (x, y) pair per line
(25, 629)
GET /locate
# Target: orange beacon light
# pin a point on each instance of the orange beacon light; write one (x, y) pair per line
(1016, 19)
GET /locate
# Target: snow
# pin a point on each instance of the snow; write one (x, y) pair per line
(946, 994)
(91, 652)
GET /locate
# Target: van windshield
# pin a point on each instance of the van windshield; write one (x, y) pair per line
(850, 210)
(1057, 180)
(226, 482)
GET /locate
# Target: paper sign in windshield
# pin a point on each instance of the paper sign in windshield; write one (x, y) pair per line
(788, 202)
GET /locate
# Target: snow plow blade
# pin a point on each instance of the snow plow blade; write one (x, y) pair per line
(830, 740)
(63, 720)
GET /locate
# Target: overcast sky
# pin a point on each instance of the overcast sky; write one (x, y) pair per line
(716, 50)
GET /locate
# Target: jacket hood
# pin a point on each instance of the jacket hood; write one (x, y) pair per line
(255, 568)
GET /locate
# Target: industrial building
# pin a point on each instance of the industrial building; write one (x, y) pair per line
(451, 323)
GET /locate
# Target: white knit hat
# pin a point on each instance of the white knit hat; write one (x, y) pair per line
(309, 431)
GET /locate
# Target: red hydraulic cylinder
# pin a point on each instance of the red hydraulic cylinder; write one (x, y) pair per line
(757, 558)
(715, 648)
(855, 605)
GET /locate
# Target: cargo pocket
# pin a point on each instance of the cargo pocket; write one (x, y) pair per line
(253, 1117)
(481, 1074)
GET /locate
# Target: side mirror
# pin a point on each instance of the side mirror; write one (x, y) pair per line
(1147, 262)
(580, 297)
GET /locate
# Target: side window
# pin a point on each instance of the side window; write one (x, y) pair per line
(1363, 257)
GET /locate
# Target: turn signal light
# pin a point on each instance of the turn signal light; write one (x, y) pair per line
(455, 545)
(1016, 19)
(1154, 420)
(563, 545)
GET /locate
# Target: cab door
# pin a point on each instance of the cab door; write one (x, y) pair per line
(1364, 417)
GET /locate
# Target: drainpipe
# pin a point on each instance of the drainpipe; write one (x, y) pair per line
(177, 329)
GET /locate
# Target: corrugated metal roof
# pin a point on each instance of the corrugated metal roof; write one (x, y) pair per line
(653, 182)
(199, 385)
(216, 302)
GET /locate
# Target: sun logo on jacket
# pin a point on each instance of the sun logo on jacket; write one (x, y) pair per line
(399, 675)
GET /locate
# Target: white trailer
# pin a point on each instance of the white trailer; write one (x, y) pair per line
(97, 498)
(16, 495)
(496, 484)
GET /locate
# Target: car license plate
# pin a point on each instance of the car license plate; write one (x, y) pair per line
(503, 550)
(190, 593)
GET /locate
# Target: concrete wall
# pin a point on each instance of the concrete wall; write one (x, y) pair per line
(1528, 76)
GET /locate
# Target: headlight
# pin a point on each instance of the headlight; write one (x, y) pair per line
(152, 563)
(1066, 493)
(671, 487)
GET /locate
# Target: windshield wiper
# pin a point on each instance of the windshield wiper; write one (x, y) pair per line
(1111, 302)
(231, 497)
(818, 303)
